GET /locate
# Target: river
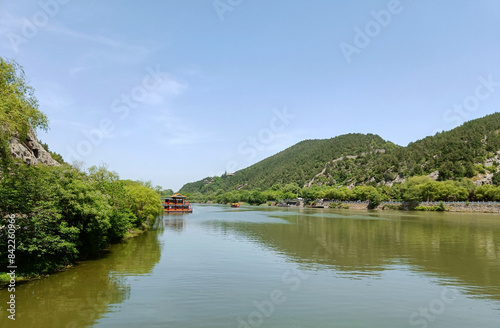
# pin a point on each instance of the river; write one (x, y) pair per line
(281, 267)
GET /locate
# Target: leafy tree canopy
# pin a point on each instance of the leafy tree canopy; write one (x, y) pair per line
(18, 106)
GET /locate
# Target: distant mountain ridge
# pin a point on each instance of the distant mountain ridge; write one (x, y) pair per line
(471, 150)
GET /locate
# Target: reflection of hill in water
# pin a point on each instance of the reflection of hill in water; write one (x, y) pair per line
(465, 248)
(81, 295)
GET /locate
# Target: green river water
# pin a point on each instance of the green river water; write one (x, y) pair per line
(281, 267)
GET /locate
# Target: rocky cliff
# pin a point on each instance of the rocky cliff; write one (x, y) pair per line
(31, 151)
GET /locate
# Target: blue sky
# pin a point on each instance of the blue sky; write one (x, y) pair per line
(174, 91)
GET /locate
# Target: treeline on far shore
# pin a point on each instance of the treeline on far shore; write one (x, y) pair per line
(415, 189)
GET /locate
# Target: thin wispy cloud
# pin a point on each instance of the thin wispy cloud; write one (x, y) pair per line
(97, 39)
(75, 71)
(169, 87)
(177, 131)
(9, 22)
(71, 124)
(54, 97)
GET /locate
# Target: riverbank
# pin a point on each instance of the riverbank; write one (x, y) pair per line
(472, 207)
(463, 207)
(5, 279)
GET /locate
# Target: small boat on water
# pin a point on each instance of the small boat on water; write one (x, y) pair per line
(176, 203)
(235, 205)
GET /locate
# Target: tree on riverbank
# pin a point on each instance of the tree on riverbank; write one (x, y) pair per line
(63, 214)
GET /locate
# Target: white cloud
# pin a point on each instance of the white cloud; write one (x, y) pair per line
(169, 86)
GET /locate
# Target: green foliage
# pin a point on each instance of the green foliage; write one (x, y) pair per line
(145, 202)
(43, 242)
(254, 197)
(338, 205)
(18, 107)
(108, 183)
(437, 208)
(424, 188)
(491, 169)
(496, 179)
(487, 193)
(374, 199)
(64, 214)
(480, 168)
(164, 192)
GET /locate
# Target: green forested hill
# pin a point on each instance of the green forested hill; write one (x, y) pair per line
(461, 152)
(357, 159)
(297, 164)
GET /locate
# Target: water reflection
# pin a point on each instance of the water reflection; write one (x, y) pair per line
(173, 223)
(82, 295)
(452, 247)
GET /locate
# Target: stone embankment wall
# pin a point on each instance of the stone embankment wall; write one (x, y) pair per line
(482, 207)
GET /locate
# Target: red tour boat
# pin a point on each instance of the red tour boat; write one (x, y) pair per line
(176, 203)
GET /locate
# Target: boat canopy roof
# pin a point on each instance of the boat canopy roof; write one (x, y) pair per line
(175, 196)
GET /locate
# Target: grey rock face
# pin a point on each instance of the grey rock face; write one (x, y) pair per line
(31, 151)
